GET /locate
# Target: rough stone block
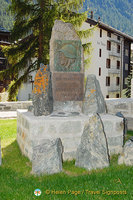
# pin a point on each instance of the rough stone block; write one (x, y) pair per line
(113, 127)
(47, 157)
(93, 100)
(42, 93)
(126, 156)
(92, 152)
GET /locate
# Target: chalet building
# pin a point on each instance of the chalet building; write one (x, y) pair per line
(110, 57)
(4, 40)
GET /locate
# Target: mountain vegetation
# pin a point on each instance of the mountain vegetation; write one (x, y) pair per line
(6, 19)
(116, 13)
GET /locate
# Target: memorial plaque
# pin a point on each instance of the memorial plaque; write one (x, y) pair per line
(68, 86)
(67, 55)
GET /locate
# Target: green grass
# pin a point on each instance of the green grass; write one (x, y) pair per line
(128, 135)
(17, 182)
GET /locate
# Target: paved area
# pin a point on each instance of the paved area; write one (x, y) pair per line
(8, 114)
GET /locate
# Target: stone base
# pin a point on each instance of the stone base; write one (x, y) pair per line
(31, 130)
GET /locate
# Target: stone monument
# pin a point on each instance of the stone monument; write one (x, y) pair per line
(67, 68)
(62, 109)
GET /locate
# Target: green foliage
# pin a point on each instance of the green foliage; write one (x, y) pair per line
(128, 88)
(6, 19)
(17, 181)
(12, 96)
(116, 13)
(33, 24)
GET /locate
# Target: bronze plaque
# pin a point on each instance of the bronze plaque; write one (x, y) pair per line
(67, 55)
(68, 86)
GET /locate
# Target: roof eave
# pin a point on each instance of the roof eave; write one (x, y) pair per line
(109, 28)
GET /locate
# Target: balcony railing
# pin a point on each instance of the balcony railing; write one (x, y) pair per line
(113, 70)
(114, 54)
(114, 88)
(114, 40)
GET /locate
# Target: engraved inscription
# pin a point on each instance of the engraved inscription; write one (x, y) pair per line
(67, 55)
(68, 86)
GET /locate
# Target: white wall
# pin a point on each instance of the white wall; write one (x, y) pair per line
(25, 92)
(96, 61)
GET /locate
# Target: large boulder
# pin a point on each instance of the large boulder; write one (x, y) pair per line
(0, 153)
(93, 101)
(126, 156)
(47, 157)
(92, 152)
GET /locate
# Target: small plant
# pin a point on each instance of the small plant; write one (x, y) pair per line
(128, 89)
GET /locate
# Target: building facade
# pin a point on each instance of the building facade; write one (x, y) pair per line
(4, 40)
(109, 60)
(110, 57)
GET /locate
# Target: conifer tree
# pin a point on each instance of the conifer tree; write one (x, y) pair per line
(32, 32)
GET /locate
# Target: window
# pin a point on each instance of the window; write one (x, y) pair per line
(108, 62)
(125, 81)
(99, 71)
(118, 64)
(117, 80)
(126, 66)
(1, 83)
(109, 34)
(100, 32)
(117, 95)
(107, 81)
(107, 96)
(100, 52)
(118, 37)
(108, 45)
(126, 52)
(118, 48)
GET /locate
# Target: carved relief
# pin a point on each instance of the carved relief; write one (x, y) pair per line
(67, 55)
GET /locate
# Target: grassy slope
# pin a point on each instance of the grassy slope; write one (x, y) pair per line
(17, 182)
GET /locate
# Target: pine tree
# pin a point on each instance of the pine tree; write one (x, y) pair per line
(33, 25)
(128, 89)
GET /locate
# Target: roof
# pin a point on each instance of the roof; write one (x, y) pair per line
(4, 30)
(109, 28)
